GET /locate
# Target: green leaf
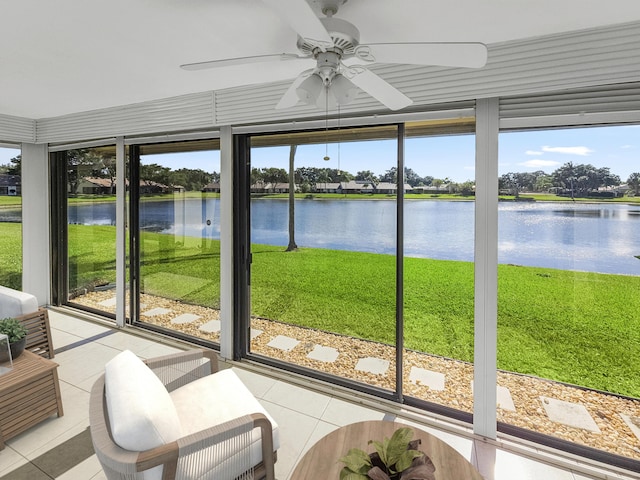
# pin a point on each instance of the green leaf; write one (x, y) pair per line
(381, 448)
(406, 459)
(398, 444)
(356, 459)
(346, 474)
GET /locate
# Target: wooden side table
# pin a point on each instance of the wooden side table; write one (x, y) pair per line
(29, 393)
(321, 461)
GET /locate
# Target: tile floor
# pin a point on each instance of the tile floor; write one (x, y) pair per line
(303, 411)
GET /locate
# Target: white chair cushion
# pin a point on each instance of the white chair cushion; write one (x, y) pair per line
(216, 399)
(14, 303)
(141, 413)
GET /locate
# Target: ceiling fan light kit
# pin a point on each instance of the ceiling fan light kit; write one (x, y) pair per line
(342, 62)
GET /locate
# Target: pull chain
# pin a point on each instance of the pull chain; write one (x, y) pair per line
(326, 124)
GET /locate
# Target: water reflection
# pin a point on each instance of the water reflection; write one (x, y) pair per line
(600, 238)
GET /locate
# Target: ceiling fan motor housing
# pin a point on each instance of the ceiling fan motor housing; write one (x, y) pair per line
(345, 36)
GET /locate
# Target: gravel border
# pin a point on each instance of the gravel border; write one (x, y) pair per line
(527, 392)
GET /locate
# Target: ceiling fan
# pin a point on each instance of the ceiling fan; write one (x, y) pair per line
(341, 61)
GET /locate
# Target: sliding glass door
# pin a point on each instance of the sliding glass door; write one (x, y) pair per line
(89, 212)
(176, 220)
(323, 249)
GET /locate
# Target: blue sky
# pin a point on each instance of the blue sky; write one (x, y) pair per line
(447, 156)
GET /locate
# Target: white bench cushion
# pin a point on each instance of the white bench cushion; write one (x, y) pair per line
(216, 399)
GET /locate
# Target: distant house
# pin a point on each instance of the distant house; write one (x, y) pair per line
(262, 187)
(327, 187)
(148, 186)
(10, 185)
(96, 186)
(279, 188)
(351, 187)
(213, 187)
(387, 188)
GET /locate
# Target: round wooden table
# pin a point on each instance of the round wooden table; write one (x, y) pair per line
(322, 460)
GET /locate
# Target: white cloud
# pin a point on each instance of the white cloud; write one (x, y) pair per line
(539, 163)
(582, 151)
(627, 147)
(533, 152)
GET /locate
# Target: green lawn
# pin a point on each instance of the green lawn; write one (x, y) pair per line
(581, 328)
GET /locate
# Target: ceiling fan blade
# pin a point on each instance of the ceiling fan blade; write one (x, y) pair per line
(299, 15)
(470, 55)
(290, 97)
(378, 88)
(230, 62)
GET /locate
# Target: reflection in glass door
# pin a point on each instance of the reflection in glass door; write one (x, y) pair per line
(178, 222)
(91, 227)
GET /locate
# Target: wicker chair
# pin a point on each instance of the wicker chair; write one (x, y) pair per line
(225, 451)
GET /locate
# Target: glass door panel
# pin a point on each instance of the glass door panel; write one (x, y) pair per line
(179, 228)
(323, 275)
(569, 285)
(438, 263)
(91, 227)
(10, 218)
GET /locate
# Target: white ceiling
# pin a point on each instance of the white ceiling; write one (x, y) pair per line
(65, 56)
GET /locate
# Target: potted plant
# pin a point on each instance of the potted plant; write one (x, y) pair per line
(397, 458)
(17, 334)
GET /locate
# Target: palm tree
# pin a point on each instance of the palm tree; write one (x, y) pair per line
(292, 199)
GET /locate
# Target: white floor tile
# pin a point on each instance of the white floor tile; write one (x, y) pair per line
(82, 362)
(75, 326)
(339, 412)
(509, 467)
(298, 399)
(257, 384)
(322, 430)
(121, 341)
(60, 338)
(295, 431)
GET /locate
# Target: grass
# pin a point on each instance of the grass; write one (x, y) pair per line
(575, 327)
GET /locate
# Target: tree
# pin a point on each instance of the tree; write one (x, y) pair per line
(80, 164)
(274, 176)
(292, 199)
(390, 176)
(13, 167)
(411, 177)
(634, 183)
(565, 177)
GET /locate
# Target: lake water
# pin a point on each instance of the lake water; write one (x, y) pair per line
(587, 237)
